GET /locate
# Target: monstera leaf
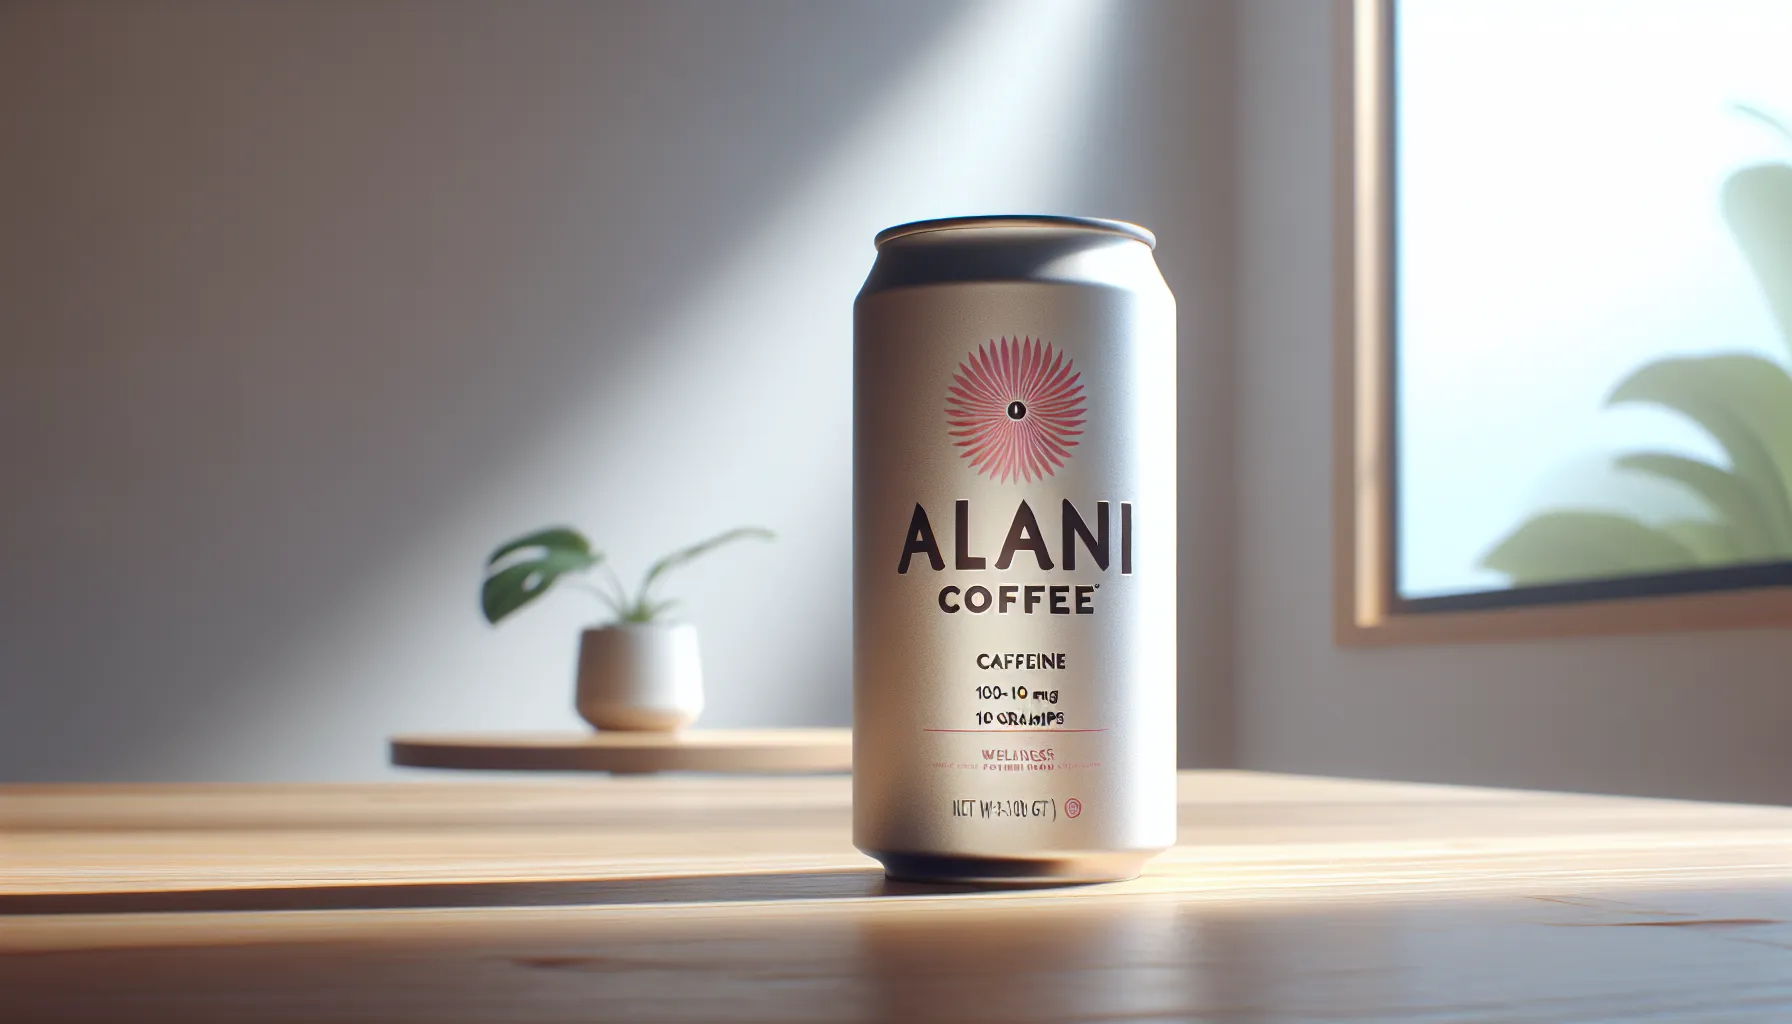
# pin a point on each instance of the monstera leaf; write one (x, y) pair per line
(553, 552)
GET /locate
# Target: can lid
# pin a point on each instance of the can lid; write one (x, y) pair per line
(1098, 224)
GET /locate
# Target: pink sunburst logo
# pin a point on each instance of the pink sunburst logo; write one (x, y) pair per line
(1015, 409)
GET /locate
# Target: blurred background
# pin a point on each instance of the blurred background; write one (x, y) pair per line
(1612, 240)
(309, 306)
(305, 307)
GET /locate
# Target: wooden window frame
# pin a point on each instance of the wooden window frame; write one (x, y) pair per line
(1366, 608)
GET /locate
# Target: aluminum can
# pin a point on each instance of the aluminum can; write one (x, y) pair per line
(1014, 552)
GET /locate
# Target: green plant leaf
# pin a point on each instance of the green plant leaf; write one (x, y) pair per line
(685, 556)
(644, 612)
(1765, 118)
(1710, 543)
(645, 608)
(1556, 547)
(1736, 502)
(1745, 403)
(554, 538)
(562, 550)
(1757, 202)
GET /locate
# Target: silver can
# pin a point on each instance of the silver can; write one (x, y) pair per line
(1014, 552)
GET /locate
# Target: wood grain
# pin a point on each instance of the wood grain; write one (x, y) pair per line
(679, 898)
(691, 750)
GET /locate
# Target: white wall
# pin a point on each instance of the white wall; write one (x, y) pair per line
(1704, 715)
(303, 307)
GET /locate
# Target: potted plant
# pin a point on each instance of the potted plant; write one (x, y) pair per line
(639, 671)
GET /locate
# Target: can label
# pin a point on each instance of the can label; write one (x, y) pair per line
(1014, 570)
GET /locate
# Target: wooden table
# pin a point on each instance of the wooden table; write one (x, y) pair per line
(685, 898)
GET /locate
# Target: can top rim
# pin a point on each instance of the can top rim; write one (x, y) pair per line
(1019, 220)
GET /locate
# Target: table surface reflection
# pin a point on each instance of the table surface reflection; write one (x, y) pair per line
(686, 898)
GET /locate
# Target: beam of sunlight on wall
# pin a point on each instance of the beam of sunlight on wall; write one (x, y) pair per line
(733, 408)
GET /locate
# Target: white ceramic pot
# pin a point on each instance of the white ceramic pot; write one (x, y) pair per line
(640, 677)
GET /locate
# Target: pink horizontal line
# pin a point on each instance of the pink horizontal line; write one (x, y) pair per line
(1014, 730)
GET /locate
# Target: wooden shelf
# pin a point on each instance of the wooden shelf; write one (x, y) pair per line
(734, 751)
